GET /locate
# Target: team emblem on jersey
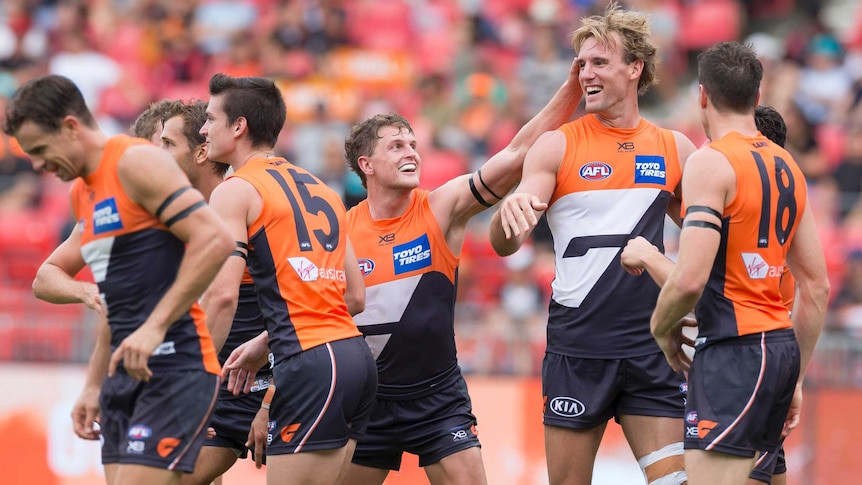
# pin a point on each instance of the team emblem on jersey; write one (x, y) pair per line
(366, 266)
(413, 255)
(106, 217)
(650, 169)
(595, 171)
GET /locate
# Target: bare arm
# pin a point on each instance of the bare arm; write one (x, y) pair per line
(684, 149)
(455, 203)
(807, 264)
(150, 176)
(85, 411)
(55, 280)
(519, 213)
(639, 255)
(706, 182)
(355, 295)
(219, 302)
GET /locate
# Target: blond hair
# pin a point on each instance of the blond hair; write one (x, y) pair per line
(634, 32)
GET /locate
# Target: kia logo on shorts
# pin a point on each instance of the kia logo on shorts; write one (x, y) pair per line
(567, 407)
(595, 171)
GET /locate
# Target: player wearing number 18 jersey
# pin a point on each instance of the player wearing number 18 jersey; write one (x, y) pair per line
(292, 229)
(747, 215)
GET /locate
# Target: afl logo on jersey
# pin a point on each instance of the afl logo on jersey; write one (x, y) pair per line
(595, 171)
(366, 266)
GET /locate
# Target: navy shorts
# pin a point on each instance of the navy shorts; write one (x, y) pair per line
(584, 393)
(161, 423)
(770, 463)
(739, 393)
(323, 397)
(432, 427)
(233, 415)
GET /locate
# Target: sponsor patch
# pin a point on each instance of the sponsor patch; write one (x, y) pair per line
(411, 256)
(106, 217)
(567, 407)
(308, 271)
(650, 169)
(758, 269)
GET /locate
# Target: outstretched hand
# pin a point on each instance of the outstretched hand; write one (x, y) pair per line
(518, 214)
(244, 362)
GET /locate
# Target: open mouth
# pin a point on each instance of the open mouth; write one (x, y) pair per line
(407, 168)
(591, 90)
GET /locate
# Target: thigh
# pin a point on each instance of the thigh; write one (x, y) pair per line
(571, 453)
(462, 468)
(710, 468)
(769, 465)
(211, 464)
(323, 397)
(320, 467)
(578, 393)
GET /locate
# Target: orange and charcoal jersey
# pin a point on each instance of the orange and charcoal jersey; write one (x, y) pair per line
(410, 277)
(612, 185)
(743, 294)
(247, 324)
(297, 247)
(134, 259)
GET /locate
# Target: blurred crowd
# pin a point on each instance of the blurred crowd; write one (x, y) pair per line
(467, 74)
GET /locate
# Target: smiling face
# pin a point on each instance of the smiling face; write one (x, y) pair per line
(605, 78)
(52, 152)
(394, 162)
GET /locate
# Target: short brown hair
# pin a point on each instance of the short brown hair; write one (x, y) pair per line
(363, 138)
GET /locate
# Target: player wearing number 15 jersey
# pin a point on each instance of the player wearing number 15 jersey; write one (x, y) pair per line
(291, 228)
(747, 215)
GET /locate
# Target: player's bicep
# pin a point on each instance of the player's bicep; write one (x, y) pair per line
(67, 256)
(152, 179)
(539, 176)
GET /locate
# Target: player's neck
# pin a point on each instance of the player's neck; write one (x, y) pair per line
(623, 117)
(243, 157)
(95, 141)
(720, 124)
(388, 203)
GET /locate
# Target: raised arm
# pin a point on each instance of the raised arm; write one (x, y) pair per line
(152, 178)
(463, 197)
(519, 213)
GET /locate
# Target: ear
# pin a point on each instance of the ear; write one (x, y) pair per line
(702, 97)
(636, 68)
(240, 126)
(200, 154)
(365, 165)
(71, 126)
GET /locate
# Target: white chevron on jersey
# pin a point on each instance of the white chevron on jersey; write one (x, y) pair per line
(385, 303)
(97, 255)
(591, 213)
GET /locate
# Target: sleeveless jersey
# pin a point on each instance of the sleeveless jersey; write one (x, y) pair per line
(134, 259)
(410, 278)
(612, 185)
(743, 295)
(296, 257)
